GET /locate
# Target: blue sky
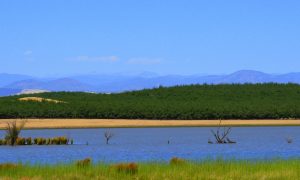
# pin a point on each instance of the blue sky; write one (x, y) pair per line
(167, 37)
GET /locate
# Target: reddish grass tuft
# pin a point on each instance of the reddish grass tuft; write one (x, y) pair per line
(177, 161)
(130, 168)
(84, 163)
(6, 166)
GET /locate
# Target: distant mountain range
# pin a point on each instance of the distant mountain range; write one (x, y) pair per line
(11, 84)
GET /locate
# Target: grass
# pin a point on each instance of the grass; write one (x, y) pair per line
(12, 132)
(218, 169)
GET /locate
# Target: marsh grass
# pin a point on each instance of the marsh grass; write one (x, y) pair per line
(217, 169)
(61, 140)
(13, 131)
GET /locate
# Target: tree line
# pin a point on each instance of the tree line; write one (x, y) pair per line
(225, 101)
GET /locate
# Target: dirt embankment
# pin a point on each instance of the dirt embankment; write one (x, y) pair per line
(97, 123)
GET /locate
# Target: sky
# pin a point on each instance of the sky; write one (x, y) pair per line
(54, 37)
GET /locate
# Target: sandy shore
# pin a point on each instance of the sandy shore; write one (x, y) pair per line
(97, 123)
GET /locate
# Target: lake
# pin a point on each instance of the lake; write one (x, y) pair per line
(151, 144)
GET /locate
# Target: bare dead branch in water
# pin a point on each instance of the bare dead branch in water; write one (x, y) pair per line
(289, 140)
(222, 137)
(108, 135)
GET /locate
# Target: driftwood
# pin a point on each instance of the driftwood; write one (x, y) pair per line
(230, 141)
(221, 135)
(108, 135)
(289, 140)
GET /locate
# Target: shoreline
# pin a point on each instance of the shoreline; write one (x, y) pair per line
(128, 123)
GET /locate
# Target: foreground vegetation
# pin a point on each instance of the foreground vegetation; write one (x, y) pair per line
(248, 101)
(219, 169)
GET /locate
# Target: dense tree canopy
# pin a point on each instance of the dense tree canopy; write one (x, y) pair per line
(247, 101)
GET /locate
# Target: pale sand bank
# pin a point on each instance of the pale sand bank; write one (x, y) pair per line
(97, 123)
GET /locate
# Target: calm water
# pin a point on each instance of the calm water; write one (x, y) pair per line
(151, 144)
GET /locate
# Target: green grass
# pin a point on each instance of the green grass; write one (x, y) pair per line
(219, 169)
(248, 101)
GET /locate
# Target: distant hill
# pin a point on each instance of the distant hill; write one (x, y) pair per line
(8, 92)
(31, 91)
(127, 82)
(6, 79)
(63, 84)
(246, 76)
(248, 101)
